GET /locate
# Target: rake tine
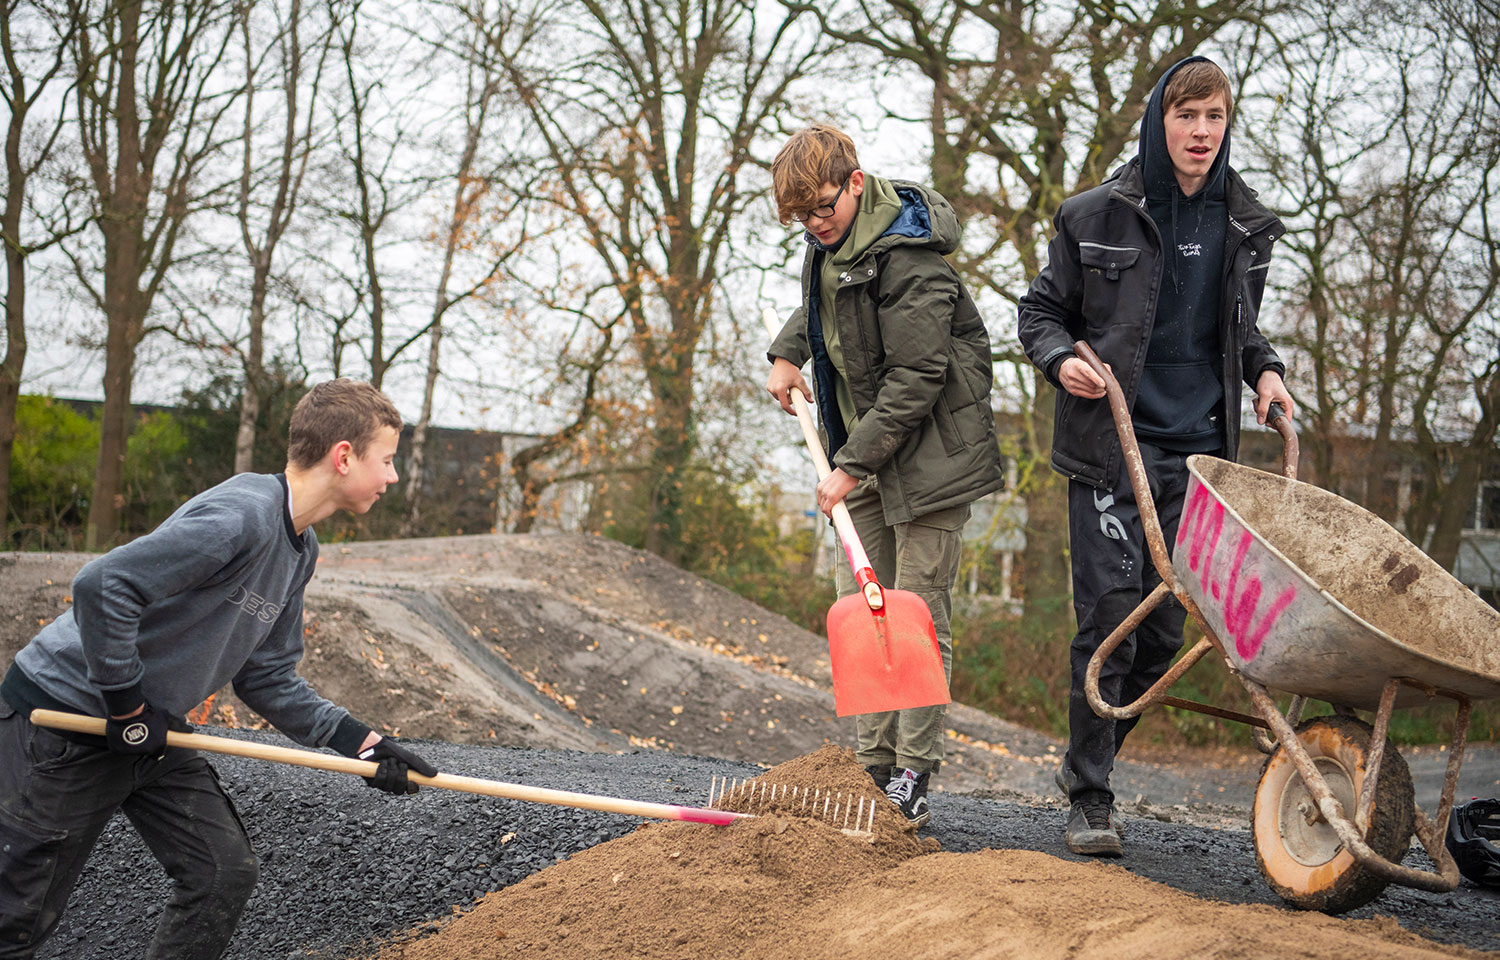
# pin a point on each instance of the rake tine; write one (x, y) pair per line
(712, 783)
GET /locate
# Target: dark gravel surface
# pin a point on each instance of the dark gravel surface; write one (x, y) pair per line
(342, 865)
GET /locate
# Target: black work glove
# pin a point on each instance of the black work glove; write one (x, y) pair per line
(394, 762)
(142, 735)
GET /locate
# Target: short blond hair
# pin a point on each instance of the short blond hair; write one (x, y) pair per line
(335, 411)
(818, 155)
(1199, 80)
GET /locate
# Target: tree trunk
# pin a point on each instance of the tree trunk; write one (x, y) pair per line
(1459, 495)
(15, 306)
(244, 438)
(122, 221)
(672, 441)
(417, 464)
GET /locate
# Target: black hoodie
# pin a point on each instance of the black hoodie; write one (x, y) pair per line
(1180, 398)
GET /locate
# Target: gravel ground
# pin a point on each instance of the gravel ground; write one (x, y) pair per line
(342, 865)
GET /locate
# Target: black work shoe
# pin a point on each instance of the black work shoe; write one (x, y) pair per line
(1091, 830)
(1064, 777)
(908, 791)
(880, 773)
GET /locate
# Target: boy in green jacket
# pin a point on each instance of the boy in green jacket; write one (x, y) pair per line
(901, 367)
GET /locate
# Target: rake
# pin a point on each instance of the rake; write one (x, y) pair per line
(759, 797)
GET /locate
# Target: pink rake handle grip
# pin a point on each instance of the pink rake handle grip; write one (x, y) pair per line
(859, 561)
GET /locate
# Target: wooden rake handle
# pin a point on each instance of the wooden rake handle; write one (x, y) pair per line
(859, 561)
(365, 768)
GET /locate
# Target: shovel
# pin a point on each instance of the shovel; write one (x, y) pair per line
(882, 646)
(365, 768)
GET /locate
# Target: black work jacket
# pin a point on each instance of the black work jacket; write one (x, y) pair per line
(1100, 285)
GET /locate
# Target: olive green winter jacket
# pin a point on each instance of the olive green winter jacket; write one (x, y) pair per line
(917, 362)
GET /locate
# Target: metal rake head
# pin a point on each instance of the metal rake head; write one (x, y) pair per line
(759, 797)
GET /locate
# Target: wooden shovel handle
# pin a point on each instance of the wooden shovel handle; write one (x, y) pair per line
(859, 561)
(365, 768)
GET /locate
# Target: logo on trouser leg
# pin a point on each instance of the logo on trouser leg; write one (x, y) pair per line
(1109, 524)
(135, 734)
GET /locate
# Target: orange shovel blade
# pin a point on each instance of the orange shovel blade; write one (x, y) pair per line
(884, 662)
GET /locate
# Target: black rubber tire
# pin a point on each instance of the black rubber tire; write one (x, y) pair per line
(1305, 864)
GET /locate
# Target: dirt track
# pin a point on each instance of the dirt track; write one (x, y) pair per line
(578, 643)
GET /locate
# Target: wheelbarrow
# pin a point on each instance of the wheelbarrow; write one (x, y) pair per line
(1303, 592)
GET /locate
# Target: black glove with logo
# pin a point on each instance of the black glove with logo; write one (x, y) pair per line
(395, 761)
(142, 735)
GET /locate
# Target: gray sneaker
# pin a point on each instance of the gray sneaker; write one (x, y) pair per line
(1064, 777)
(1090, 830)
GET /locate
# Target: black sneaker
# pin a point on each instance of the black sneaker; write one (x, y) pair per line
(1064, 777)
(1091, 830)
(880, 773)
(908, 791)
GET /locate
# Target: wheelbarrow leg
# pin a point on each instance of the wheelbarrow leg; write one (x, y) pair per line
(1112, 643)
(1445, 878)
(1264, 742)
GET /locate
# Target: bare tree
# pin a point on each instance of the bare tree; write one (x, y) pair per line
(34, 39)
(646, 112)
(482, 32)
(374, 184)
(262, 222)
(1390, 196)
(149, 101)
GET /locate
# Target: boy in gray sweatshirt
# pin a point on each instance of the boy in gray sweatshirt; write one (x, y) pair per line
(212, 596)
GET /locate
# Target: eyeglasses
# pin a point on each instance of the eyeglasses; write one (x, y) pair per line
(823, 212)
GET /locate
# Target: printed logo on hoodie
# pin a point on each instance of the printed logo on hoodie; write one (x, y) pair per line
(254, 604)
(1190, 249)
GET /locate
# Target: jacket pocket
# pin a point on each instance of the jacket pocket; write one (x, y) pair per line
(1106, 260)
(1106, 273)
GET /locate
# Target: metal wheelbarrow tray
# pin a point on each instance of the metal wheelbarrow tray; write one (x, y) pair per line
(1302, 591)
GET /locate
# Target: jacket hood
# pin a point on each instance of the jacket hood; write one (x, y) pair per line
(1156, 163)
(896, 212)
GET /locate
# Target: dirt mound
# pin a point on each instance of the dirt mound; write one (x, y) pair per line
(792, 886)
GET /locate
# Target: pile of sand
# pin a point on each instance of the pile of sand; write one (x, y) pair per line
(785, 885)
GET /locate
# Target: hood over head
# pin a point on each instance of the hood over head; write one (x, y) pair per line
(1156, 163)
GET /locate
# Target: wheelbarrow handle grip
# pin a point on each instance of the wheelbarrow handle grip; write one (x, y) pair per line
(859, 561)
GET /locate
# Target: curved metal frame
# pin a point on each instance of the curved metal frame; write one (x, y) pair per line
(1281, 726)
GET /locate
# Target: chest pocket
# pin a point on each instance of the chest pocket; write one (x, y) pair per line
(1106, 271)
(1101, 259)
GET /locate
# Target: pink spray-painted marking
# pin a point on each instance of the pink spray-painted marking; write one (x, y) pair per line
(1196, 522)
(1201, 527)
(719, 818)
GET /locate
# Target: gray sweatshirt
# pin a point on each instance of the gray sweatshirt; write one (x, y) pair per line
(211, 596)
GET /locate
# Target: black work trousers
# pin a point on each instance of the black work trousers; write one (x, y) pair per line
(56, 795)
(1112, 572)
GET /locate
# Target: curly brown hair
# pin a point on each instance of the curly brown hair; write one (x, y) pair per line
(818, 155)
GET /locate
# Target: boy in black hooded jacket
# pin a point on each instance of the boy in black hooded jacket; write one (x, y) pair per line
(1160, 270)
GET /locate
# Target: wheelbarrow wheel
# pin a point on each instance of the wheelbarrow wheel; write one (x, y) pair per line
(1298, 852)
